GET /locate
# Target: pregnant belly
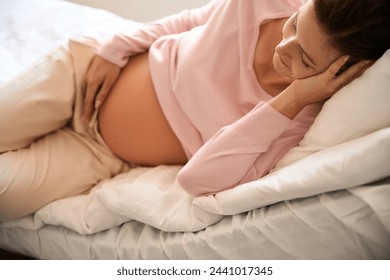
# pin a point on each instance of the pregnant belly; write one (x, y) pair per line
(132, 123)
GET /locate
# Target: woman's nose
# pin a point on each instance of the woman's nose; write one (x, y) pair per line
(286, 45)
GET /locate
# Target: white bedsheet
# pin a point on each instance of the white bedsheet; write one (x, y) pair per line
(345, 224)
(31, 28)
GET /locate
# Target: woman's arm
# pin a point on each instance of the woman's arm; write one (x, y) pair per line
(122, 46)
(237, 153)
(113, 55)
(225, 160)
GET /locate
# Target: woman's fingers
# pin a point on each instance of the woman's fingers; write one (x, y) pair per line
(100, 77)
(323, 85)
(355, 70)
(106, 86)
(102, 94)
(340, 78)
(91, 91)
(335, 67)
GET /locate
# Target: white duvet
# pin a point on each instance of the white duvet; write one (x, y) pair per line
(152, 196)
(347, 146)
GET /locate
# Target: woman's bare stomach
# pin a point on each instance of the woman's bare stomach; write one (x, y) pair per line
(132, 123)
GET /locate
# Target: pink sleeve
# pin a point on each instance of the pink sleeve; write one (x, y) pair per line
(122, 46)
(234, 154)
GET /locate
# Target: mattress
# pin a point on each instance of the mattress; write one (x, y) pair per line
(324, 206)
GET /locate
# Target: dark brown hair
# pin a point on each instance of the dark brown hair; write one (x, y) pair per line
(359, 28)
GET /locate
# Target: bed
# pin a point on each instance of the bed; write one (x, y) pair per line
(327, 198)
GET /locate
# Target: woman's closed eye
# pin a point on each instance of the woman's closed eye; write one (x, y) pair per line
(294, 26)
(294, 22)
(303, 61)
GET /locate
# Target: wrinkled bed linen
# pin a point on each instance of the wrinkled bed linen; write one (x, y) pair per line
(152, 196)
(346, 224)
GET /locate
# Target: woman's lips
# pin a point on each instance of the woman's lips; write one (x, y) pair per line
(284, 63)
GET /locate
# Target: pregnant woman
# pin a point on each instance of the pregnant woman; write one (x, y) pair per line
(225, 90)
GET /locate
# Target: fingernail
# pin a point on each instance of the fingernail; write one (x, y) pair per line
(97, 104)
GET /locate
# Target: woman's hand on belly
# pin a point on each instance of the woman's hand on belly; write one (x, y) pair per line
(101, 76)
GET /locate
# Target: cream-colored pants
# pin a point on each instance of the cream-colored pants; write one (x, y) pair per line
(46, 151)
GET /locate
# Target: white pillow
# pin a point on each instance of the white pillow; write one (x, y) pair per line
(358, 109)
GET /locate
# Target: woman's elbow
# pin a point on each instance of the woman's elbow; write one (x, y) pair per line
(197, 184)
(188, 182)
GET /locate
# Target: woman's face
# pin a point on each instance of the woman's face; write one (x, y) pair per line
(305, 50)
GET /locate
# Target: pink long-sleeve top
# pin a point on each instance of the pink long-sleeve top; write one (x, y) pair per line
(201, 63)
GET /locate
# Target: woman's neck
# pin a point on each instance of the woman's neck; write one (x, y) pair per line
(270, 36)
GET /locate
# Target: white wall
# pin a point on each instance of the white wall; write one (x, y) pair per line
(143, 10)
